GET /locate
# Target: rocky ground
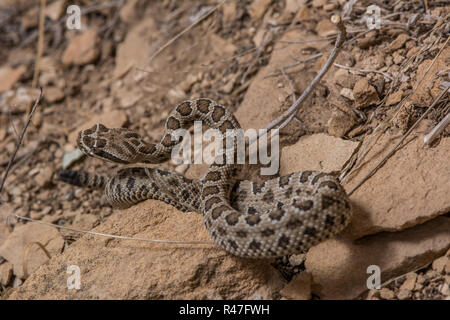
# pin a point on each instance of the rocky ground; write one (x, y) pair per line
(251, 56)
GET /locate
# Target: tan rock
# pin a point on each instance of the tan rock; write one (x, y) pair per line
(6, 209)
(9, 77)
(386, 294)
(265, 101)
(55, 10)
(54, 94)
(404, 294)
(83, 49)
(30, 19)
(223, 47)
(347, 93)
(345, 79)
(398, 58)
(304, 14)
(410, 282)
(447, 264)
(394, 98)
(424, 94)
(229, 11)
(339, 266)
(325, 28)
(372, 62)
(20, 99)
(316, 152)
(13, 249)
(292, 6)
(299, 288)
(330, 6)
(111, 119)
(370, 39)
(85, 221)
(365, 95)
(399, 42)
(197, 171)
(135, 50)
(119, 269)
(14, 3)
(340, 124)
(404, 191)
(402, 117)
(4, 231)
(373, 294)
(6, 272)
(258, 8)
(438, 265)
(319, 3)
(44, 177)
(128, 12)
(445, 290)
(129, 97)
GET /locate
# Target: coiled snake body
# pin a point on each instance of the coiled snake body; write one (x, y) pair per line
(275, 218)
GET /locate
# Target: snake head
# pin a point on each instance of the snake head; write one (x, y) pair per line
(114, 145)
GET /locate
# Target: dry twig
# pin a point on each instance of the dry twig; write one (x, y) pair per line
(385, 74)
(287, 115)
(19, 142)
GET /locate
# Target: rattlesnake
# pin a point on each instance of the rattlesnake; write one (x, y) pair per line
(270, 219)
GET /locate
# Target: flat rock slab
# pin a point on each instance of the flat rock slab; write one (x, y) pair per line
(13, 248)
(136, 49)
(123, 269)
(9, 77)
(83, 49)
(4, 231)
(319, 152)
(410, 188)
(339, 267)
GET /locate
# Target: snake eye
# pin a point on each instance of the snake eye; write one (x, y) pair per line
(101, 128)
(87, 141)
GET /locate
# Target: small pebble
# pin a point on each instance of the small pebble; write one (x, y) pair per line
(386, 294)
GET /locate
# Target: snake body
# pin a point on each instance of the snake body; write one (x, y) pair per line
(270, 219)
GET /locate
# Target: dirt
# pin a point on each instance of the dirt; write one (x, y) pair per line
(108, 72)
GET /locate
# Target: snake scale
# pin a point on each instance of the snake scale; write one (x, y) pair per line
(278, 217)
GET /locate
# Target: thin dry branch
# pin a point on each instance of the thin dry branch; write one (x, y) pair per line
(385, 74)
(19, 142)
(292, 65)
(111, 235)
(432, 63)
(27, 252)
(287, 115)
